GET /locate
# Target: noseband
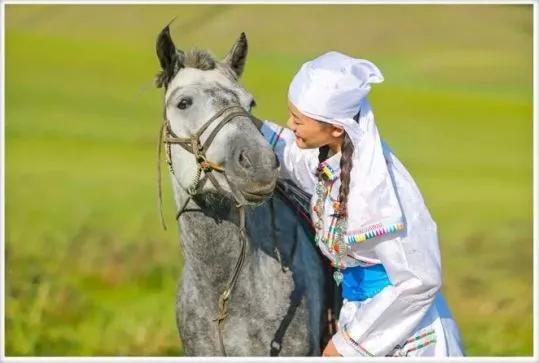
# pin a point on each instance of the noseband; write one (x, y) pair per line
(199, 149)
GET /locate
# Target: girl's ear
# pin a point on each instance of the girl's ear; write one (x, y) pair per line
(337, 131)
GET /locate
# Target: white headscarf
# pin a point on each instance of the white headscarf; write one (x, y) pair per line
(333, 88)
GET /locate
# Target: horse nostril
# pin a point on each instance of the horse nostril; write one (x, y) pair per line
(244, 160)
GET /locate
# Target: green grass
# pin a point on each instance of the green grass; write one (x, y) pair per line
(89, 270)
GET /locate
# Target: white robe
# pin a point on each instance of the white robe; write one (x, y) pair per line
(408, 317)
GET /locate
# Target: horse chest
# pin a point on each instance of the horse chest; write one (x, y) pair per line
(267, 313)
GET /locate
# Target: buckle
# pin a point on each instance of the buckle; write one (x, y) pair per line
(205, 165)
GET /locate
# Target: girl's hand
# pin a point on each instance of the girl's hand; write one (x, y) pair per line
(330, 351)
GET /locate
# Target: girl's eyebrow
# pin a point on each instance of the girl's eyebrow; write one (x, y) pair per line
(293, 114)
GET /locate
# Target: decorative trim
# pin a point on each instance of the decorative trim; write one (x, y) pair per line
(275, 138)
(330, 234)
(370, 227)
(377, 232)
(423, 344)
(327, 172)
(364, 352)
(419, 336)
(421, 340)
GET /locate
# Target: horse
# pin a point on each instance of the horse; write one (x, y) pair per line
(253, 283)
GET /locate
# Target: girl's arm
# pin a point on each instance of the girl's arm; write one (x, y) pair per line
(297, 165)
(390, 318)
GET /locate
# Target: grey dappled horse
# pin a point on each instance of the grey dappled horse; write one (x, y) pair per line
(269, 294)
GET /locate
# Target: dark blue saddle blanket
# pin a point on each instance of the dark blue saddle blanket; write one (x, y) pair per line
(297, 199)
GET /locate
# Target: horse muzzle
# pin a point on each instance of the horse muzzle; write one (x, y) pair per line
(258, 195)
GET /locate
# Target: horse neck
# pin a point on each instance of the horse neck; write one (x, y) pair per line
(209, 236)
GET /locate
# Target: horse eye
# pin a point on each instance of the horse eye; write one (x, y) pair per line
(185, 102)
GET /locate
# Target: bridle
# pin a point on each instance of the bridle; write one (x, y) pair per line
(194, 145)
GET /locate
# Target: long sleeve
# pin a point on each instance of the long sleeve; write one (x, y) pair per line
(391, 316)
(297, 165)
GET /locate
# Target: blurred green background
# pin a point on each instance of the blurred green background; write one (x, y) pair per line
(89, 270)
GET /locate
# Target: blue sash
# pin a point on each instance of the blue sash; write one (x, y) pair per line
(360, 283)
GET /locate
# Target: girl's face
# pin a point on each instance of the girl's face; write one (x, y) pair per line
(311, 133)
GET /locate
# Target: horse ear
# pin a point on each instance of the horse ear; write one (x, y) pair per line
(169, 57)
(237, 55)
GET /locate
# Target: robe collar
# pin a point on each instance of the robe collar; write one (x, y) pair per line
(330, 169)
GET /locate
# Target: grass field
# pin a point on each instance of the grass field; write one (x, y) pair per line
(89, 270)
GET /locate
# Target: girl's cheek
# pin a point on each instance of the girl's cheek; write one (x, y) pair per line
(290, 123)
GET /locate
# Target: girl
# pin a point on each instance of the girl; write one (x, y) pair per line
(369, 216)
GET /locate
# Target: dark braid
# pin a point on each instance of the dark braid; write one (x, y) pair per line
(323, 153)
(347, 150)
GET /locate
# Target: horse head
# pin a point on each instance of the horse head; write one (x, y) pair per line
(205, 104)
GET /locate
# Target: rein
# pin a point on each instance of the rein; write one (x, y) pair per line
(194, 145)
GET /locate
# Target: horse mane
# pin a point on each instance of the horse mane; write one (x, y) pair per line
(200, 59)
(195, 58)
